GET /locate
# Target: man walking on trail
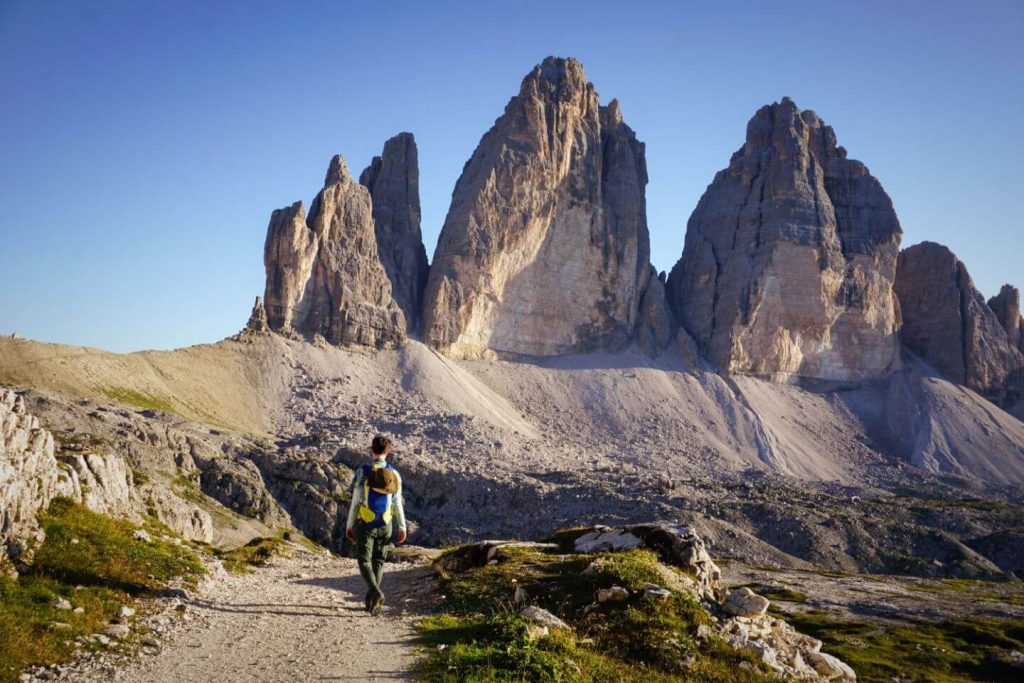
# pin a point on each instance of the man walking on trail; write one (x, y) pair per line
(376, 507)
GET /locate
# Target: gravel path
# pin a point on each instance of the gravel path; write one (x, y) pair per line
(300, 619)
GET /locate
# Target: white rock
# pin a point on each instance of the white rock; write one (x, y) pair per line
(656, 592)
(604, 541)
(126, 612)
(543, 617)
(744, 602)
(61, 603)
(831, 667)
(141, 535)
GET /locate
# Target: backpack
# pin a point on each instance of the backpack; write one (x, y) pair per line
(380, 484)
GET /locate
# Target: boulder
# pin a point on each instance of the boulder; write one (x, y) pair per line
(948, 324)
(545, 249)
(393, 180)
(324, 273)
(744, 602)
(789, 259)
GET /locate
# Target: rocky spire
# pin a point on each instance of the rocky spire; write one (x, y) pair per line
(948, 324)
(545, 249)
(257, 319)
(324, 275)
(790, 257)
(393, 181)
(1006, 306)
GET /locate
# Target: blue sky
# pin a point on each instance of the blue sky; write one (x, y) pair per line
(143, 145)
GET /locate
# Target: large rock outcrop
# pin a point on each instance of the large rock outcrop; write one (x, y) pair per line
(393, 180)
(1006, 306)
(29, 477)
(324, 273)
(948, 324)
(545, 249)
(790, 257)
(33, 473)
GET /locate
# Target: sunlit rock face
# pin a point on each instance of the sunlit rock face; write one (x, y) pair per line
(324, 273)
(948, 324)
(545, 249)
(790, 257)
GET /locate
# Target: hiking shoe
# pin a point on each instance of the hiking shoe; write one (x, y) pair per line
(378, 606)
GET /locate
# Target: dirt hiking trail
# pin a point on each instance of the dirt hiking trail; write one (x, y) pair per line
(298, 619)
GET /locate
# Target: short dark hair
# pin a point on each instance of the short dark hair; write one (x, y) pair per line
(381, 445)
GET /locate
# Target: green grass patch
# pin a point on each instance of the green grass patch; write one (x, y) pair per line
(140, 399)
(95, 563)
(947, 652)
(483, 638)
(255, 553)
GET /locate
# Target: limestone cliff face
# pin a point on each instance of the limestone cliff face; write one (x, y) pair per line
(393, 180)
(324, 274)
(948, 324)
(32, 474)
(29, 478)
(790, 257)
(1006, 306)
(545, 249)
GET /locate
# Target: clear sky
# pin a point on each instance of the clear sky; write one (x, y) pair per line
(143, 144)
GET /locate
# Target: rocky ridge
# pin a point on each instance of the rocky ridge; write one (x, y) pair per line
(553, 194)
(790, 257)
(947, 322)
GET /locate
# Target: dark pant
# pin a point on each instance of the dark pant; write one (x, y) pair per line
(372, 545)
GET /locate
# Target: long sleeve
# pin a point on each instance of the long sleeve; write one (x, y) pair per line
(357, 499)
(397, 506)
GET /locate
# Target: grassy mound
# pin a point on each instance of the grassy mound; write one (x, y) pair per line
(95, 563)
(971, 649)
(483, 638)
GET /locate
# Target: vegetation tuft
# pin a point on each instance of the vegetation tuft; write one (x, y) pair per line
(93, 562)
(255, 553)
(483, 638)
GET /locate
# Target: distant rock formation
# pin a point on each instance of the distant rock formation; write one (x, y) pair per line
(948, 324)
(1006, 306)
(545, 249)
(790, 257)
(393, 180)
(324, 274)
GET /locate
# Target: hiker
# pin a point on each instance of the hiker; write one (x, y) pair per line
(376, 507)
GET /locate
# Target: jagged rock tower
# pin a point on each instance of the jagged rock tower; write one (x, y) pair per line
(948, 324)
(393, 180)
(545, 249)
(790, 257)
(1006, 306)
(324, 274)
